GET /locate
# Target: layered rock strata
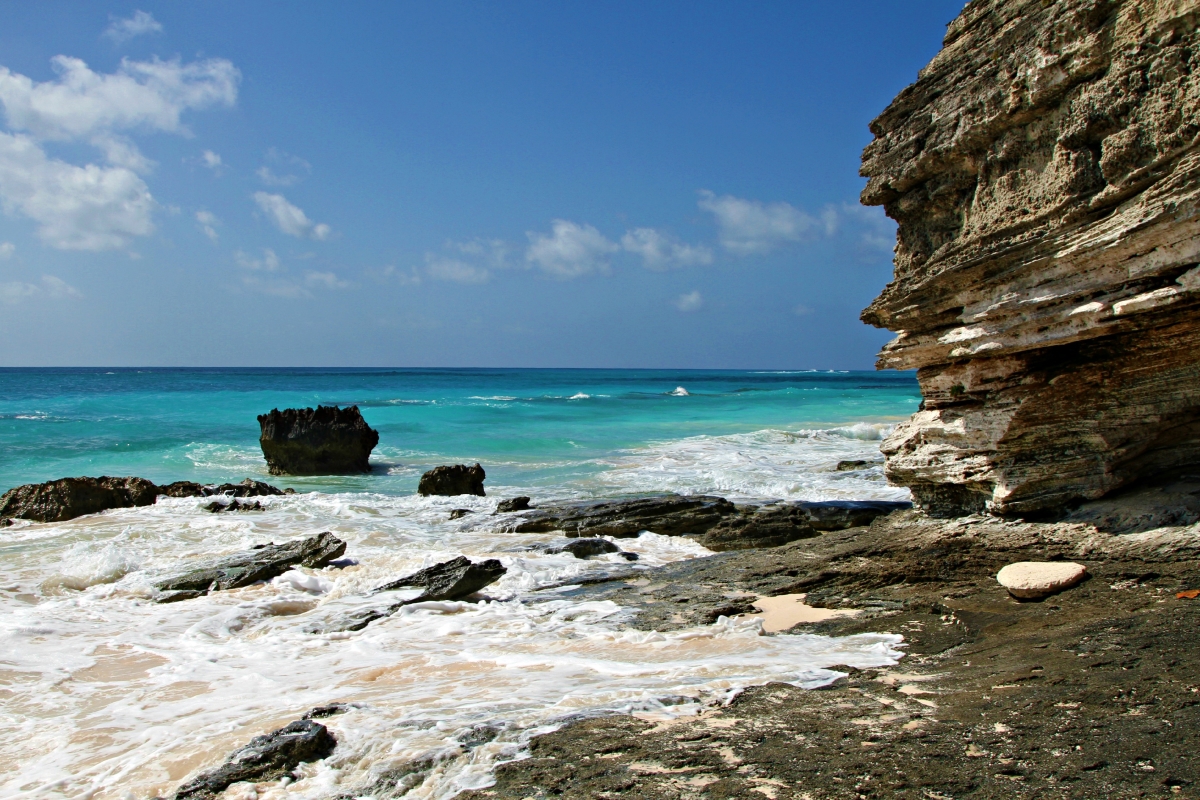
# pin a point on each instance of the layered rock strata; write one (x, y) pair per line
(325, 440)
(1045, 174)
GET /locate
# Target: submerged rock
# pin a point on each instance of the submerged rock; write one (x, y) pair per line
(1043, 174)
(515, 504)
(266, 758)
(459, 513)
(450, 580)
(583, 547)
(68, 498)
(325, 440)
(218, 507)
(854, 465)
(669, 515)
(249, 567)
(247, 488)
(450, 481)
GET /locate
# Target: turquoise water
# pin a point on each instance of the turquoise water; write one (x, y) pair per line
(534, 429)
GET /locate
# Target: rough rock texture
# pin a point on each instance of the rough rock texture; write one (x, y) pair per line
(516, 504)
(583, 547)
(1033, 580)
(1045, 174)
(451, 481)
(669, 515)
(67, 498)
(217, 507)
(266, 758)
(768, 526)
(247, 488)
(242, 569)
(325, 440)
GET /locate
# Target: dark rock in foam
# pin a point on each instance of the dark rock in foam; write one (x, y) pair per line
(515, 504)
(67, 498)
(246, 568)
(448, 481)
(247, 488)
(266, 758)
(325, 440)
(670, 515)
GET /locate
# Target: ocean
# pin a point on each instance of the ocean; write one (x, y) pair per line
(109, 695)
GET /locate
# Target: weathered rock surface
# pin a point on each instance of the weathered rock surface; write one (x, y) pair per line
(669, 515)
(217, 507)
(449, 580)
(584, 547)
(243, 569)
(247, 488)
(326, 440)
(450, 481)
(768, 526)
(855, 464)
(266, 758)
(1045, 174)
(1033, 580)
(837, 515)
(68, 498)
(515, 504)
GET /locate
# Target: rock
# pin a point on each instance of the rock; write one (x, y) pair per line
(459, 513)
(669, 515)
(516, 504)
(266, 758)
(852, 466)
(247, 488)
(325, 440)
(1032, 580)
(450, 580)
(768, 526)
(837, 515)
(218, 507)
(583, 547)
(68, 498)
(1044, 176)
(243, 569)
(6, 523)
(321, 712)
(451, 481)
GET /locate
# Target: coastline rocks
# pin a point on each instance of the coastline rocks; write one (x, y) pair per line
(837, 515)
(459, 513)
(584, 547)
(450, 481)
(768, 526)
(854, 465)
(1044, 175)
(68, 498)
(266, 758)
(217, 507)
(669, 515)
(247, 488)
(515, 504)
(243, 569)
(1033, 580)
(326, 440)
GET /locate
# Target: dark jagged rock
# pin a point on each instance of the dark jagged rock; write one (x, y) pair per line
(68, 498)
(268, 757)
(515, 504)
(247, 488)
(669, 515)
(450, 481)
(325, 440)
(769, 526)
(837, 515)
(6, 523)
(243, 569)
(583, 547)
(218, 507)
(856, 464)
(459, 513)
(321, 712)
(449, 580)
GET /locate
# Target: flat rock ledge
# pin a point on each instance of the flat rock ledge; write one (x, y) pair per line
(249, 567)
(1033, 580)
(326, 440)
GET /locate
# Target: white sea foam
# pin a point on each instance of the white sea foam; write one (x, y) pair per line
(680, 392)
(579, 396)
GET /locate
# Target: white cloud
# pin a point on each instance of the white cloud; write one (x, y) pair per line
(570, 251)
(271, 179)
(76, 208)
(287, 160)
(6, 250)
(661, 251)
(289, 218)
(275, 287)
(325, 280)
(268, 263)
(875, 233)
(208, 223)
(212, 160)
(390, 273)
(691, 301)
(52, 287)
(493, 251)
(141, 23)
(747, 227)
(449, 269)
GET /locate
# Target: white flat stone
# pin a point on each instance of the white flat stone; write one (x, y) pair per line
(1029, 580)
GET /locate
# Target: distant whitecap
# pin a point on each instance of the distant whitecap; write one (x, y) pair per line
(680, 392)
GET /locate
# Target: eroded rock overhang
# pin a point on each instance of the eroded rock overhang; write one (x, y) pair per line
(1044, 171)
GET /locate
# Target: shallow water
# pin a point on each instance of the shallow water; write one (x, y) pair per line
(108, 695)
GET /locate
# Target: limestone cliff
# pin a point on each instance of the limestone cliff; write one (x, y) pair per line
(1045, 174)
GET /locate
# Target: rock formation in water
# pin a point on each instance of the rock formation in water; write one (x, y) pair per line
(268, 757)
(247, 488)
(452, 481)
(67, 498)
(1045, 173)
(325, 440)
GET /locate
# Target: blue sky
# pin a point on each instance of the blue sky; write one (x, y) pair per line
(598, 184)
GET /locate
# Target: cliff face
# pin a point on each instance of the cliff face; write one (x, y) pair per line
(1045, 174)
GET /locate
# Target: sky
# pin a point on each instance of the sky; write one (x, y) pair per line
(519, 184)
